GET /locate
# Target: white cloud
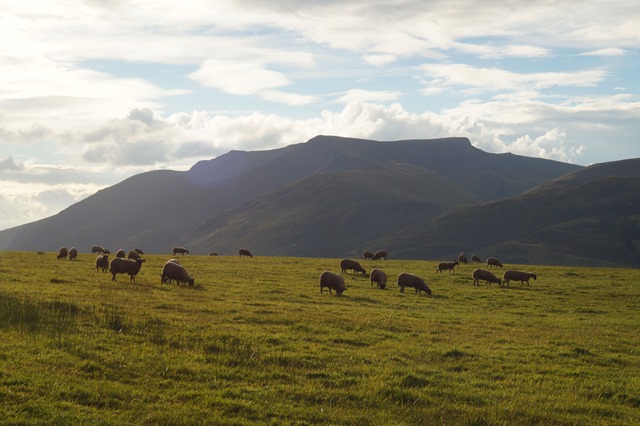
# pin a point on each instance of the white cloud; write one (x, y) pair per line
(609, 51)
(369, 96)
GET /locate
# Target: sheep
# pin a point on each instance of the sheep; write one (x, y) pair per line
(97, 249)
(351, 264)
(62, 253)
(180, 250)
(492, 261)
(73, 253)
(133, 255)
(380, 254)
(331, 280)
(447, 266)
(413, 281)
(244, 252)
(120, 265)
(139, 251)
(379, 277)
(367, 255)
(476, 259)
(213, 253)
(521, 276)
(121, 253)
(481, 274)
(462, 258)
(102, 262)
(172, 270)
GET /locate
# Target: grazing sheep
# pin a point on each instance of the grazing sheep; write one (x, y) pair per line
(380, 254)
(462, 258)
(213, 253)
(521, 276)
(492, 261)
(73, 253)
(244, 252)
(379, 277)
(62, 253)
(331, 280)
(133, 255)
(447, 266)
(172, 270)
(139, 251)
(121, 253)
(481, 274)
(413, 281)
(120, 265)
(102, 262)
(475, 259)
(97, 249)
(367, 255)
(180, 250)
(351, 264)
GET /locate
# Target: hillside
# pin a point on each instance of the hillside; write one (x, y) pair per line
(160, 209)
(588, 217)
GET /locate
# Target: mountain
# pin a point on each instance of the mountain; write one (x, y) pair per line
(327, 196)
(588, 217)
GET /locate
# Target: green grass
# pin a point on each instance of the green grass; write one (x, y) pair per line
(255, 342)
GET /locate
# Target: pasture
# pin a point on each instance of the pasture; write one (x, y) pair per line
(254, 341)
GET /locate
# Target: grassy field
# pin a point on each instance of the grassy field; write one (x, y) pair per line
(254, 341)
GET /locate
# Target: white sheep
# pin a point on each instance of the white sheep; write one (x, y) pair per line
(331, 280)
(120, 265)
(521, 276)
(482, 275)
(172, 270)
(379, 277)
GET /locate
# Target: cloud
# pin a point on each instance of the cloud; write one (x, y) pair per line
(369, 96)
(8, 164)
(609, 51)
(495, 79)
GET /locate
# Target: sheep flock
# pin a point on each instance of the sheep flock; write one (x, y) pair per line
(130, 263)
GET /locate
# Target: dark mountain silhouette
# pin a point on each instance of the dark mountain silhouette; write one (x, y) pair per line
(588, 217)
(326, 197)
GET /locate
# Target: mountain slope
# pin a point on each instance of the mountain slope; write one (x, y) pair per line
(157, 210)
(588, 217)
(329, 213)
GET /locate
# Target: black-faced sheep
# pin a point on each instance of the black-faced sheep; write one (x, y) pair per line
(121, 253)
(462, 258)
(180, 250)
(413, 281)
(492, 261)
(73, 253)
(62, 253)
(521, 276)
(482, 275)
(133, 255)
(244, 252)
(367, 255)
(444, 266)
(120, 265)
(379, 277)
(380, 254)
(331, 280)
(351, 264)
(97, 249)
(102, 262)
(476, 259)
(172, 270)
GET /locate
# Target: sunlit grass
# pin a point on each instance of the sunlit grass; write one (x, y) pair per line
(254, 341)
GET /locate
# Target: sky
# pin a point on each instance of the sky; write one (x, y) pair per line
(95, 91)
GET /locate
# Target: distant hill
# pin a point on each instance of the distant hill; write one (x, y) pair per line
(329, 196)
(588, 217)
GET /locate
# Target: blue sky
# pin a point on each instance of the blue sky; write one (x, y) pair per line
(92, 92)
